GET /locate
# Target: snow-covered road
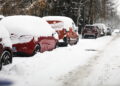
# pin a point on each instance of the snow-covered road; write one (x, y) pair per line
(92, 62)
(101, 70)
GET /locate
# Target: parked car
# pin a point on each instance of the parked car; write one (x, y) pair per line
(90, 31)
(117, 31)
(102, 27)
(5, 47)
(109, 31)
(66, 29)
(29, 34)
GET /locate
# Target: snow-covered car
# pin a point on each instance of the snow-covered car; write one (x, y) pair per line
(5, 47)
(109, 31)
(102, 27)
(90, 31)
(116, 31)
(66, 29)
(29, 34)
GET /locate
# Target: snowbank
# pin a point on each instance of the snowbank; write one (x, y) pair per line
(27, 25)
(50, 68)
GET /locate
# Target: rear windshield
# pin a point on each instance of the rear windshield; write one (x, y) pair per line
(89, 27)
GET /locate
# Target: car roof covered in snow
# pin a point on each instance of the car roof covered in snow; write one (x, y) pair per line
(100, 24)
(27, 25)
(66, 20)
(3, 32)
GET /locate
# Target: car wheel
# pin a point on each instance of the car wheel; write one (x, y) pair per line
(57, 44)
(76, 41)
(6, 58)
(95, 36)
(0, 64)
(82, 37)
(66, 40)
(37, 49)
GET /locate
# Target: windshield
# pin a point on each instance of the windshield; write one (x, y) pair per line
(89, 27)
(20, 39)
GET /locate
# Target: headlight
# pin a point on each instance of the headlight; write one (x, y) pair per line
(55, 35)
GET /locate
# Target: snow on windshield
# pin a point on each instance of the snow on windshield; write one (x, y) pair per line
(68, 22)
(27, 25)
(4, 34)
(20, 39)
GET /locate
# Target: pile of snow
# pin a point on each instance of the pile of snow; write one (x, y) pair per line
(50, 68)
(4, 34)
(67, 22)
(1, 17)
(27, 25)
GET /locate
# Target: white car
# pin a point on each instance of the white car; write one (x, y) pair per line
(102, 27)
(116, 31)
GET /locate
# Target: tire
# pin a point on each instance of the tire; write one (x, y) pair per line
(95, 36)
(66, 40)
(37, 49)
(0, 64)
(82, 37)
(6, 58)
(76, 41)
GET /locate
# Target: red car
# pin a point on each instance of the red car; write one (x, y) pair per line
(66, 29)
(29, 34)
(5, 47)
(90, 31)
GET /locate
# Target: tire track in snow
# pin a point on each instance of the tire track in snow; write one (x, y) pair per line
(83, 72)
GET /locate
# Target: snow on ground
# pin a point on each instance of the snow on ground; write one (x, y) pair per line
(102, 70)
(46, 69)
(106, 71)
